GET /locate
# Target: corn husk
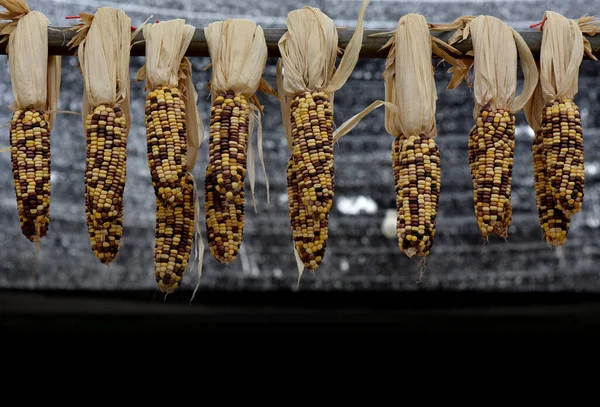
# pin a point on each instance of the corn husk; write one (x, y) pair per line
(308, 54)
(534, 108)
(35, 76)
(589, 25)
(561, 54)
(408, 90)
(409, 80)
(166, 65)
(496, 47)
(238, 53)
(103, 42)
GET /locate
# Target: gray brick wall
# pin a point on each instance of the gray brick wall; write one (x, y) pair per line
(359, 256)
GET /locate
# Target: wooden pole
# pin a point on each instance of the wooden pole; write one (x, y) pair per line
(58, 37)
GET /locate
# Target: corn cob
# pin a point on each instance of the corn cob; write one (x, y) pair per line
(174, 236)
(417, 175)
(224, 221)
(555, 224)
(105, 175)
(228, 142)
(491, 154)
(30, 156)
(312, 150)
(308, 232)
(166, 143)
(563, 140)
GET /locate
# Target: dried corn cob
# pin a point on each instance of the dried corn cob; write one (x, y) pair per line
(166, 143)
(492, 151)
(174, 236)
(555, 224)
(35, 79)
(312, 149)
(497, 50)
(308, 232)
(30, 156)
(229, 117)
(105, 174)
(238, 52)
(306, 94)
(103, 42)
(417, 174)
(563, 140)
(224, 221)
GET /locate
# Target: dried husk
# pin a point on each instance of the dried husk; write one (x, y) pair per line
(166, 65)
(103, 42)
(166, 44)
(561, 54)
(35, 76)
(496, 47)
(415, 51)
(238, 53)
(308, 54)
(409, 80)
(534, 108)
(589, 25)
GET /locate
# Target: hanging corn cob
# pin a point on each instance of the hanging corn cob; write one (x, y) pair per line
(238, 52)
(560, 56)
(410, 86)
(174, 133)
(307, 80)
(492, 139)
(103, 43)
(554, 222)
(35, 78)
(557, 148)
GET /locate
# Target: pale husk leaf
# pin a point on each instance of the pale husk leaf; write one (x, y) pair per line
(28, 58)
(588, 25)
(195, 127)
(15, 10)
(166, 44)
(309, 49)
(409, 80)
(459, 26)
(534, 109)
(53, 84)
(103, 50)
(560, 56)
(35, 76)
(496, 47)
(238, 53)
(495, 66)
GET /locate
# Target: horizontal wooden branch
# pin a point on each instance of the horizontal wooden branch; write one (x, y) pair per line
(58, 37)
